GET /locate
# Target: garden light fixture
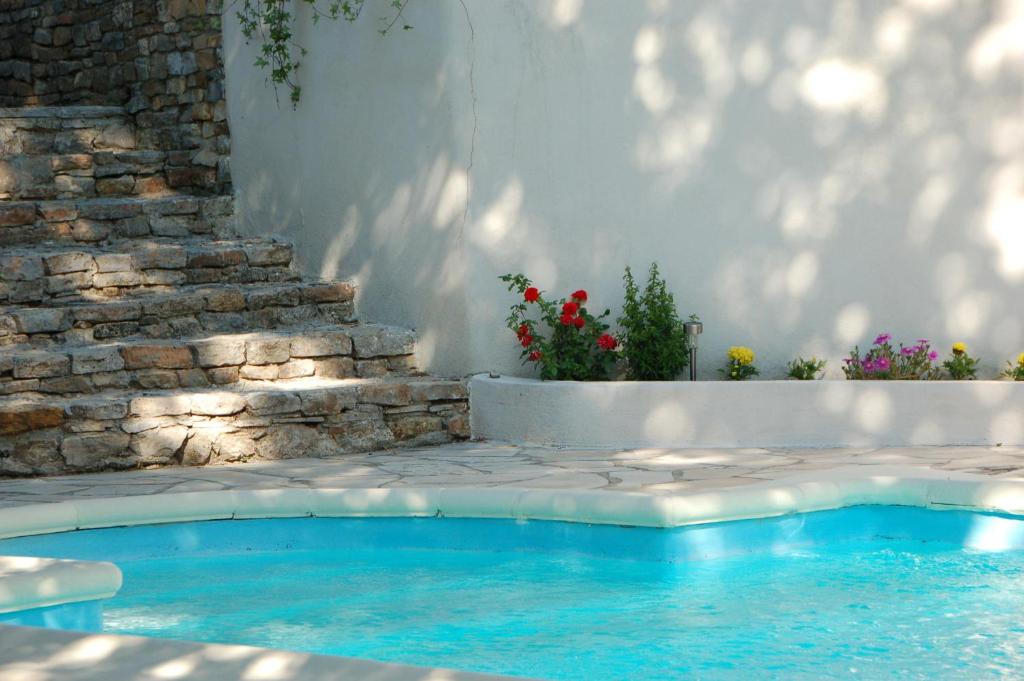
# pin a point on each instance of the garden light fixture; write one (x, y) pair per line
(693, 329)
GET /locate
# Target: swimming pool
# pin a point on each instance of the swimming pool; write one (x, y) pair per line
(863, 592)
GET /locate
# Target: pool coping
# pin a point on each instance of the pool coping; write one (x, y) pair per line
(28, 583)
(813, 491)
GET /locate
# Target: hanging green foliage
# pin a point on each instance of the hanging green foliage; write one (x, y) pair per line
(271, 22)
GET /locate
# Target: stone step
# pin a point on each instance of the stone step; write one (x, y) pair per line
(313, 417)
(257, 358)
(96, 220)
(48, 272)
(69, 176)
(64, 130)
(190, 310)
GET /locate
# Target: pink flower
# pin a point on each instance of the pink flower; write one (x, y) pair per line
(933, 355)
(882, 364)
(868, 365)
(882, 339)
(907, 352)
(922, 341)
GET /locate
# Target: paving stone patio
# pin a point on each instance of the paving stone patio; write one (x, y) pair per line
(655, 471)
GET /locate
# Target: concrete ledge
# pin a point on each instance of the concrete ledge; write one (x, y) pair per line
(642, 414)
(28, 583)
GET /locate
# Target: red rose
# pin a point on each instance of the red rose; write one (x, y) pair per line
(566, 319)
(535, 356)
(607, 342)
(578, 322)
(570, 308)
(531, 294)
(526, 340)
(580, 295)
(523, 330)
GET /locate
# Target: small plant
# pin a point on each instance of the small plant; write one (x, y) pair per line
(578, 346)
(884, 362)
(653, 340)
(960, 365)
(806, 369)
(740, 364)
(1016, 371)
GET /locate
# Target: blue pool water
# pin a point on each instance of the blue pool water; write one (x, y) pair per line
(861, 593)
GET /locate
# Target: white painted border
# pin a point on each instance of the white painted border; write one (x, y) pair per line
(641, 414)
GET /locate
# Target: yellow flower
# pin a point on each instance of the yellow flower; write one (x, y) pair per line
(959, 348)
(1020, 359)
(742, 355)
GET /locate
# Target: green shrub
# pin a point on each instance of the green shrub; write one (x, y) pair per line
(806, 369)
(960, 365)
(1015, 370)
(653, 340)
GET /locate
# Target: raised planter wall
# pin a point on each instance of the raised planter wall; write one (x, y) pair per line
(747, 414)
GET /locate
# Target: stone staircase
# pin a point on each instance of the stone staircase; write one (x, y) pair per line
(137, 329)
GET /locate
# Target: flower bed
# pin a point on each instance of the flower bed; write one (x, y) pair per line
(633, 414)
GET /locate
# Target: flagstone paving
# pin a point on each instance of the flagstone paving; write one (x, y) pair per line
(654, 471)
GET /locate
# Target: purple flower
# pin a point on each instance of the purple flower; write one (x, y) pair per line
(882, 339)
(907, 352)
(933, 355)
(868, 365)
(922, 341)
(882, 364)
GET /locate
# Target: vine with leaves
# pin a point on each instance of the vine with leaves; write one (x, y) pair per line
(270, 21)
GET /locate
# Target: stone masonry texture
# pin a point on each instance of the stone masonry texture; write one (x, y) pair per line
(137, 329)
(159, 59)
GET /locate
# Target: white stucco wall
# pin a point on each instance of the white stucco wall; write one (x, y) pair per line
(806, 174)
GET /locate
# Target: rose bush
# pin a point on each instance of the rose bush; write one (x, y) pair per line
(575, 346)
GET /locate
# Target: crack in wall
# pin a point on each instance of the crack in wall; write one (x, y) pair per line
(471, 58)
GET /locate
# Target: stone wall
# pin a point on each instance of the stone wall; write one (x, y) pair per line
(160, 59)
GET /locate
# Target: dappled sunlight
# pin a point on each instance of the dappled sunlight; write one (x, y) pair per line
(852, 324)
(667, 422)
(1004, 216)
(873, 411)
(990, 533)
(271, 666)
(46, 655)
(565, 13)
(452, 198)
(1000, 45)
(837, 86)
(500, 219)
